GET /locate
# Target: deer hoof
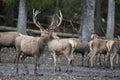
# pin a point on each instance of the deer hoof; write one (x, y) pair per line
(69, 71)
(59, 69)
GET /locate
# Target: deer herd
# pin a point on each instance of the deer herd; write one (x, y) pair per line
(26, 46)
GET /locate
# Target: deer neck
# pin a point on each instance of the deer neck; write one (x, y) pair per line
(50, 38)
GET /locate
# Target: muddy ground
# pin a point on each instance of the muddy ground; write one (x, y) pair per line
(46, 70)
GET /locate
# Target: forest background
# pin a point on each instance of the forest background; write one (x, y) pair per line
(83, 17)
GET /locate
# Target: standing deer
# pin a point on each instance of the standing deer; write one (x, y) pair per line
(97, 46)
(62, 47)
(82, 48)
(59, 46)
(113, 51)
(32, 46)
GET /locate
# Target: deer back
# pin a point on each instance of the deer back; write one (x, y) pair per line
(8, 38)
(99, 45)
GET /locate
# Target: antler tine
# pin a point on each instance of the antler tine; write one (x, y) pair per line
(56, 20)
(53, 22)
(60, 18)
(35, 13)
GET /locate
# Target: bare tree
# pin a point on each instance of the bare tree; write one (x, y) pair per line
(87, 18)
(110, 19)
(22, 17)
(98, 24)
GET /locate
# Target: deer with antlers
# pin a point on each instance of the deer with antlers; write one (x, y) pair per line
(32, 46)
(59, 46)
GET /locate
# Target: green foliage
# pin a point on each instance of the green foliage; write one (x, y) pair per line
(65, 3)
(39, 4)
(9, 2)
(117, 1)
(69, 7)
(69, 4)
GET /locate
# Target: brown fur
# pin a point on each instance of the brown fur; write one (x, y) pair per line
(82, 48)
(97, 46)
(34, 46)
(30, 46)
(62, 47)
(114, 50)
(7, 39)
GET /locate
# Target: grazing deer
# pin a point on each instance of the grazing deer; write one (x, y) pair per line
(32, 46)
(7, 39)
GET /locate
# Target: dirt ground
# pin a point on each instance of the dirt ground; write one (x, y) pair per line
(46, 70)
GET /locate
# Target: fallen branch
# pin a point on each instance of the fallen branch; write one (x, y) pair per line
(37, 32)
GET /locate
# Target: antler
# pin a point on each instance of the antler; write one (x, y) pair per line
(35, 13)
(56, 20)
(60, 18)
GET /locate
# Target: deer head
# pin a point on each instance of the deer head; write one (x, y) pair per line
(94, 36)
(56, 21)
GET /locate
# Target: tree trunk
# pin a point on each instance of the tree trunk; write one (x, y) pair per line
(98, 25)
(110, 19)
(22, 17)
(87, 18)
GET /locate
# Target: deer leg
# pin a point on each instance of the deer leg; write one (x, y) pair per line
(92, 58)
(72, 59)
(101, 57)
(23, 59)
(98, 59)
(17, 60)
(88, 58)
(103, 60)
(107, 59)
(117, 59)
(70, 63)
(82, 59)
(54, 58)
(14, 60)
(59, 68)
(112, 58)
(15, 55)
(36, 64)
(69, 55)
(0, 55)
(68, 58)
